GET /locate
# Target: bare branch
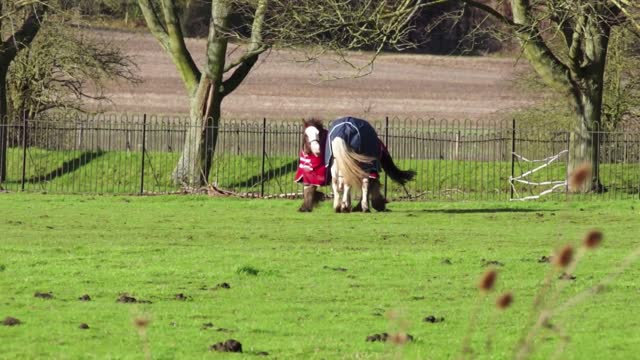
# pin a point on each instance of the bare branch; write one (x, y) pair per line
(169, 34)
(491, 11)
(22, 37)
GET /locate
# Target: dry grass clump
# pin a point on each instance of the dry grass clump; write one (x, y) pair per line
(547, 303)
(579, 176)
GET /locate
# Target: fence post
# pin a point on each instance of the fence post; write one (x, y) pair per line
(24, 152)
(264, 154)
(144, 152)
(386, 143)
(568, 163)
(457, 145)
(513, 153)
(4, 129)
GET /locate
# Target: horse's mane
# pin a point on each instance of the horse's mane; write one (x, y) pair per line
(315, 122)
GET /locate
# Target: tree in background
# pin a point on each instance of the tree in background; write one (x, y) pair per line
(49, 62)
(63, 69)
(317, 25)
(567, 42)
(622, 80)
(21, 21)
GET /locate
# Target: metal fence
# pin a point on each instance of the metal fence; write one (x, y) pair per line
(136, 154)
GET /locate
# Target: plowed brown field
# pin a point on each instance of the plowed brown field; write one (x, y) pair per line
(280, 87)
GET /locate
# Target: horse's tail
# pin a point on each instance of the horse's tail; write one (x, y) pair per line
(349, 162)
(397, 175)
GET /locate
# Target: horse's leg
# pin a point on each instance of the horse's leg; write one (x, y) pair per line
(346, 198)
(335, 187)
(365, 196)
(309, 198)
(378, 201)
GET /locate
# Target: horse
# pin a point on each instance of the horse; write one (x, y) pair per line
(349, 154)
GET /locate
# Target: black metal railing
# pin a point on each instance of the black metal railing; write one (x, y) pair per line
(137, 154)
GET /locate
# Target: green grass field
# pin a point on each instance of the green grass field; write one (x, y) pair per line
(119, 172)
(303, 286)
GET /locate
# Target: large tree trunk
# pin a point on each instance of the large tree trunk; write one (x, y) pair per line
(588, 99)
(585, 142)
(195, 163)
(4, 123)
(201, 137)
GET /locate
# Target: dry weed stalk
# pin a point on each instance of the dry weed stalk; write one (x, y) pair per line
(485, 286)
(546, 304)
(503, 302)
(398, 332)
(579, 176)
(141, 323)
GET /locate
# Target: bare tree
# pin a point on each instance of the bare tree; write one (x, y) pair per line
(21, 20)
(566, 42)
(328, 25)
(63, 68)
(49, 61)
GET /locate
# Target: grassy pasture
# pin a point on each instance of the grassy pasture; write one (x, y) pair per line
(303, 286)
(119, 172)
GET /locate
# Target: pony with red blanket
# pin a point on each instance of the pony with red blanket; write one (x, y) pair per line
(348, 154)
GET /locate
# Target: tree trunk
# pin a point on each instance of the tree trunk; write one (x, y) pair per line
(588, 99)
(201, 137)
(585, 143)
(4, 123)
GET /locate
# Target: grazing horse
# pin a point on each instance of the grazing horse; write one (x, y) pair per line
(349, 154)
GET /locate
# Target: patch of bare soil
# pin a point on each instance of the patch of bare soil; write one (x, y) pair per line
(280, 86)
(399, 338)
(486, 263)
(126, 299)
(206, 326)
(378, 337)
(11, 321)
(433, 319)
(43, 295)
(566, 276)
(230, 345)
(338, 269)
(181, 297)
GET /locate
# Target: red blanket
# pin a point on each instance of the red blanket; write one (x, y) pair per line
(311, 170)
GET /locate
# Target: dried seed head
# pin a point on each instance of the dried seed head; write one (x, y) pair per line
(579, 176)
(393, 315)
(141, 322)
(488, 280)
(564, 256)
(400, 338)
(504, 301)
(593, 239)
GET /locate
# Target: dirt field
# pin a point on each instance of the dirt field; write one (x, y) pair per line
(279, 87)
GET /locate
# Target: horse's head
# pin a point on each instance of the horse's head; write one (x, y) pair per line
(313, 131)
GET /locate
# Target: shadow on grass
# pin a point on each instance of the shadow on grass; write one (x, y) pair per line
(484, 211)
(68, 167)
(287, 168)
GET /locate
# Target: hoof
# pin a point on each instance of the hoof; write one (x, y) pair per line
(379, 204)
